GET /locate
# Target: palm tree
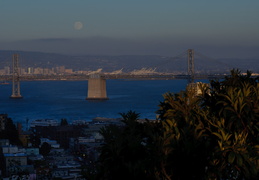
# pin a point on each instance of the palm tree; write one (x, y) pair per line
(124, 150)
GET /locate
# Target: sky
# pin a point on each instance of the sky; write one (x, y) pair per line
(218, 29)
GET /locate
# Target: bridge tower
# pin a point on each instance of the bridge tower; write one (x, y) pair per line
(96, 87)
(190, 53)
(16, 78)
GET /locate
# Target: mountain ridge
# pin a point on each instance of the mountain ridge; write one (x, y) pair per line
(128, 63)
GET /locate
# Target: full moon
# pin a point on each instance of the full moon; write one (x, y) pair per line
(78, 25)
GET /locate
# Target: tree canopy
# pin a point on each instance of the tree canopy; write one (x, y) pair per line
(209, 136)
(45, 148)
(63, 122)
(10, 132)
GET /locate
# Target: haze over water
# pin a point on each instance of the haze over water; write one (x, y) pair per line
(66, 99)
(219, 29)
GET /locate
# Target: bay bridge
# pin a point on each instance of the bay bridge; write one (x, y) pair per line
(191, 71)
(190, 65)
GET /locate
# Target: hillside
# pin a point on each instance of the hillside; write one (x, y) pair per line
(127, 63)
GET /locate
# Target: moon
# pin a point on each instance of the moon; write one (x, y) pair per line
(78, 25)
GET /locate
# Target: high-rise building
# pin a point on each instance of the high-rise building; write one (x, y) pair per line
(7, 70)
(30, 70)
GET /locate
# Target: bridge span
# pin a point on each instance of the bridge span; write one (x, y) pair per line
(109, 76)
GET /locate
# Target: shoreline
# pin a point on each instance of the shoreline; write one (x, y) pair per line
(8, 78)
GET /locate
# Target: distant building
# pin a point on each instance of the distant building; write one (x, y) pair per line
(60, 133)
(46, 71)
(2, 71)
(53, 143)
(23, 71)
(30, 70)
(9, 149)
(14, 160)
(60, 69)
(69, 71)
(24, 136)
(7, 70)
(38, 70)
(32, 151)
(4, 142)
(44, 122)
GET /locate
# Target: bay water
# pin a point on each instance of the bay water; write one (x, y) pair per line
(66, 99)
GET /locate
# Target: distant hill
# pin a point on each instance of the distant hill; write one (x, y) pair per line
(127, 63)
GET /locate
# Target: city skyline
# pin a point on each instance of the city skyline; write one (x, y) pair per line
(217, 28)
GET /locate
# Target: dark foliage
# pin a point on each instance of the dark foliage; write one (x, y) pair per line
(63, 122)
(45, 149)
(213, 135)
(10, 132)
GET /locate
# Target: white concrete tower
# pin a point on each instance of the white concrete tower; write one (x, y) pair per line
(96, 87)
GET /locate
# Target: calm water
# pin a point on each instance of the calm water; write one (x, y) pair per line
(66, 99)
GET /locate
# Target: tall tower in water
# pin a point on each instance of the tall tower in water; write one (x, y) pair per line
(16, 78)
(191, 72)
(96, 87)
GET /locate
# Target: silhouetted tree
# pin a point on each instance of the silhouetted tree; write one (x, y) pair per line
(45, 149)
(124, 155)
(211, 136)
(215, 135)
(10, 132)
(34, 138)
(63, 122)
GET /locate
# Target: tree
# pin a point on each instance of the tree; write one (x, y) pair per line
(63, 122)
(10, 132)
(233, 105)
(45, 148)
(123, 154)
(211, 136)
(214, 136)
(34, 138)
(183, 142)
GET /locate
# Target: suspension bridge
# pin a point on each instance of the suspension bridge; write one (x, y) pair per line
(193, 60)
(189, 65)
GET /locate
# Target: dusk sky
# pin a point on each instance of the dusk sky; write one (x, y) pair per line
(218, 29)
